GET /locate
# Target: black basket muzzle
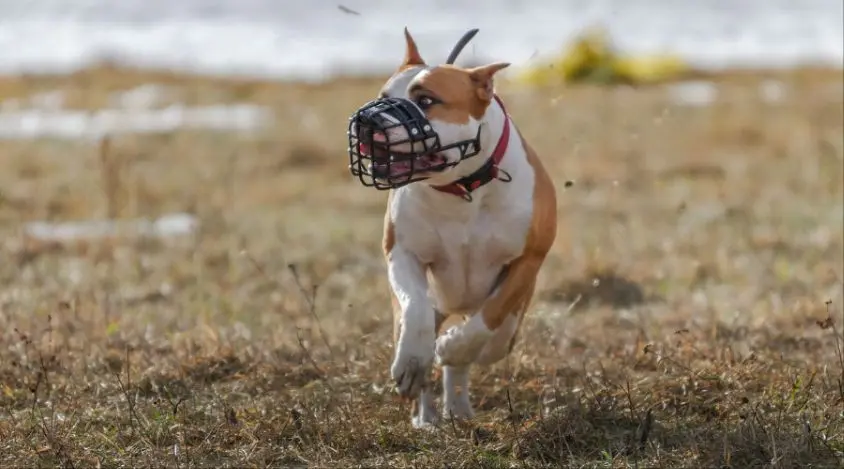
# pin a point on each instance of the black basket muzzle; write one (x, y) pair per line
(392, 143)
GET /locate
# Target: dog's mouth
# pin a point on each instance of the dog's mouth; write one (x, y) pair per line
(387, 164)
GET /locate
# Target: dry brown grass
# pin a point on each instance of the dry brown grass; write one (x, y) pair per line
(690, 315)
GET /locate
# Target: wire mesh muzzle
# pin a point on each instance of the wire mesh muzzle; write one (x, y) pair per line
(387, 132)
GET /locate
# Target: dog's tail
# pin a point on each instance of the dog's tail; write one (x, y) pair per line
(458, 48)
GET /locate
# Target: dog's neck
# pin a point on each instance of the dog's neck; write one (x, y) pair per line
(482, 168)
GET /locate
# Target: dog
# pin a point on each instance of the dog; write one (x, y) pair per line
(471, 216)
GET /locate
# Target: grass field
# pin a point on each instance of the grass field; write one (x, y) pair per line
(690, 314)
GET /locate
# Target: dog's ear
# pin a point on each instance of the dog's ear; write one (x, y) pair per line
(482, 78)
(411, 53)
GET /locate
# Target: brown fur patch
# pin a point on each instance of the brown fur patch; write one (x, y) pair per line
(389, 238)
(516, 291)
(457, 91)
(543, 230)
(463, 92)
(482, 78)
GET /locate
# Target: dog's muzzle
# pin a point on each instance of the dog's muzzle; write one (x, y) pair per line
(392, 143)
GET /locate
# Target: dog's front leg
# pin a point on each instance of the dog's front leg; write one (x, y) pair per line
(414, 351)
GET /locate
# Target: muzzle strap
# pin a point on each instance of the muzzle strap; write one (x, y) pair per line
(490, 170)
(386, 113)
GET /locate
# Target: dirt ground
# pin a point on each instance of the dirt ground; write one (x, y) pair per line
(690, 314)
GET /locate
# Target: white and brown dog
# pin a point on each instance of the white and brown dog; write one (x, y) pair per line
(471, 216)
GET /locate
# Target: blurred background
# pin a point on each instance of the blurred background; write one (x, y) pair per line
(703, 140)
(147, 145)
(173, 179)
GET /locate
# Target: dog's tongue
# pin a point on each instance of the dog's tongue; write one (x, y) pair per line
(399, 167)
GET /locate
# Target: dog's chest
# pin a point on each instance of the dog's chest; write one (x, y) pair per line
(465, 257)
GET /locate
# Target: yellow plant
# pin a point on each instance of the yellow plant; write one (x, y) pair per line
(591, 58)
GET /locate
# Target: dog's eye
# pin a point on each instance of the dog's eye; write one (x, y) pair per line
(425, 102)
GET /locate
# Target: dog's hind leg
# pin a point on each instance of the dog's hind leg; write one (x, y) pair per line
(491, 331)
(502, 342)
(455, 380)
(504, 338)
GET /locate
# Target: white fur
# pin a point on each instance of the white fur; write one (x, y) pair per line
(464, 246)
(427, 411)
(462, 345)
(401, 81)
(415, 348)
(456, 402)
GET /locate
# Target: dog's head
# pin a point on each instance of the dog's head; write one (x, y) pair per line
(425, 123)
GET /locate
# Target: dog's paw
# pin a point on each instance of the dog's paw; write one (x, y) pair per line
(425, 422)
(458, 407)
(411, 368)
(461, 345)
(459, 412)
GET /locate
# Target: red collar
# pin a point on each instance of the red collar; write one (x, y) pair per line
(486, 173)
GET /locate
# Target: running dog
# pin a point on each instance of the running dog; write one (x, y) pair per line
(470, 218)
